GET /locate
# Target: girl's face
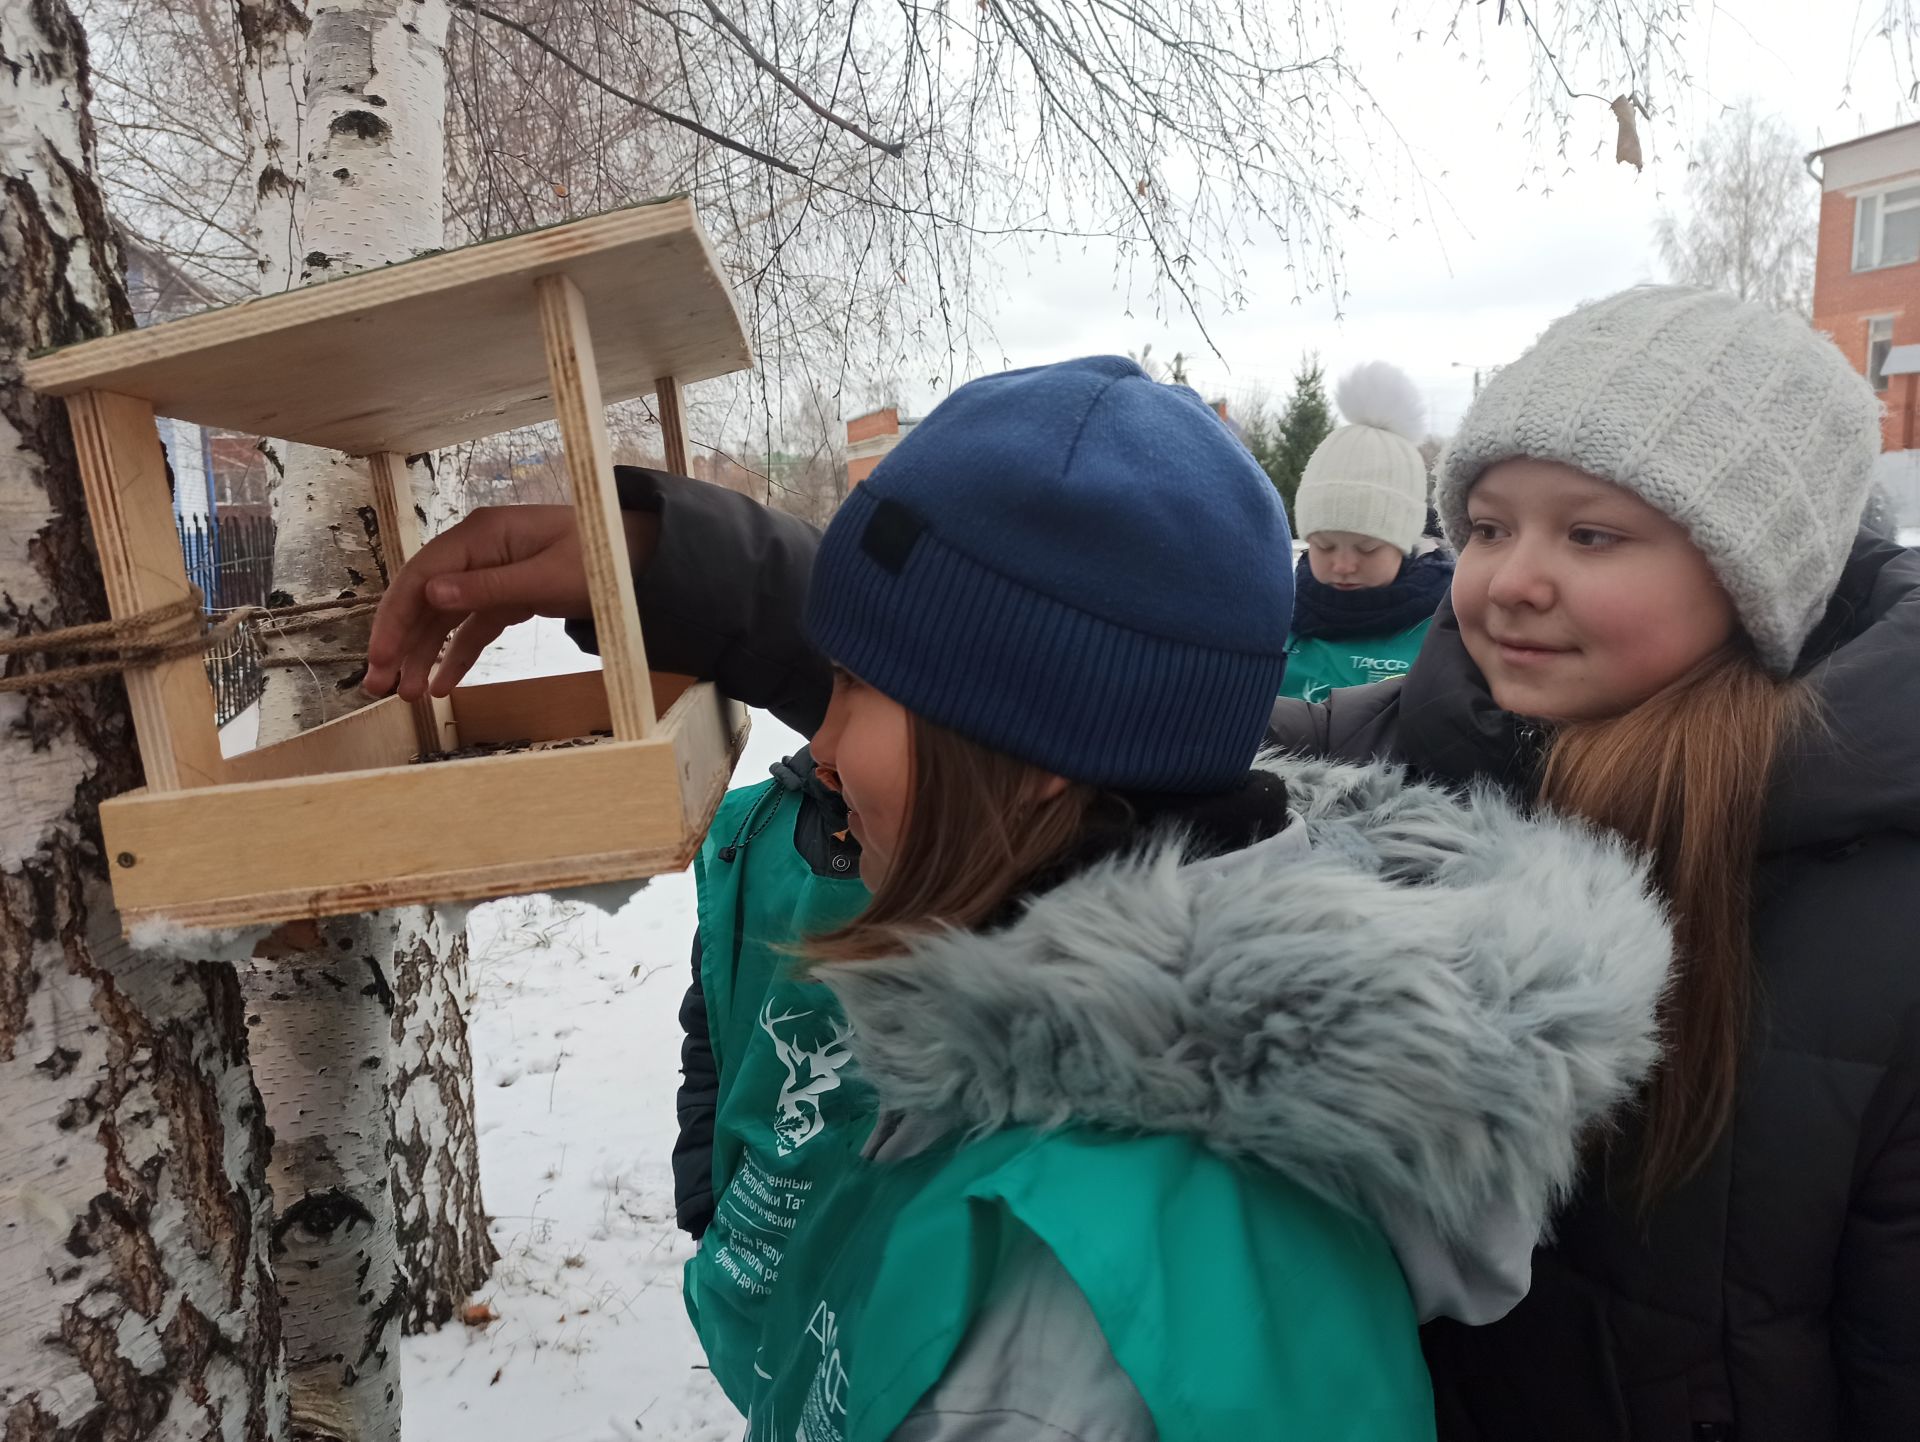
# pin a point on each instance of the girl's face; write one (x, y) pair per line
(1348, 561)
(1577, 599)
(866, 742)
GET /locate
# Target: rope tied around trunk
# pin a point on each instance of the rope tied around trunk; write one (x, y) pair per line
(167, 632)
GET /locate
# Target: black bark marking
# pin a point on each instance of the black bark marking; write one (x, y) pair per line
(360, 124)
(379, 987)
(321, 1214)
(274, 181)
(263, 23)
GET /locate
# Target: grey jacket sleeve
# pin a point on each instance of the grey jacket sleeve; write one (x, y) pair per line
(1034, 1367)
(1475, 1280)
(1355, 724)
(725, 595)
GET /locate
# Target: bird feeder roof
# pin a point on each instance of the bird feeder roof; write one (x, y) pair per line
(434, 351)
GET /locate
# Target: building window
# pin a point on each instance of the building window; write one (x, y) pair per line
(1886, 228)
(1879, 342)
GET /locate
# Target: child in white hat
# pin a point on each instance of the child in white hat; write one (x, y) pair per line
(1371, 579)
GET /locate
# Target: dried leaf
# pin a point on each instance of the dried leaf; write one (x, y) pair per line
(288, 940)
(495, 1380)
(1626, 150)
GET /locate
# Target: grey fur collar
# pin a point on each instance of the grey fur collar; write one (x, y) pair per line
(1420, 1019)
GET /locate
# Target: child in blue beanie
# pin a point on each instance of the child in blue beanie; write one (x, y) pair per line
(1193, 1077)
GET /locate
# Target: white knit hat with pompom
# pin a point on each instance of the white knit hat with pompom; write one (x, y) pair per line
(1367, 476)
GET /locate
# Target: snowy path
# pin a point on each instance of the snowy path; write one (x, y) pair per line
(576, 1056)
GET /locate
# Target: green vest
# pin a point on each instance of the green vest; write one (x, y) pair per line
(1316, 665)
(1238, 1304)
(792, 1112)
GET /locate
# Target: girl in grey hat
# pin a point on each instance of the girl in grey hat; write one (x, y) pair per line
(1666, 619)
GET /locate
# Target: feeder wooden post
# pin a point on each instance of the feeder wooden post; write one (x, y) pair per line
(603, 537)
(124, 472)
(673, 424)
(399, 539)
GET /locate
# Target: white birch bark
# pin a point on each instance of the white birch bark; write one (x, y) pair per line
(446, 1251)
(273, 74)
(318, 1004)
(358, 1037)
(135, 1297)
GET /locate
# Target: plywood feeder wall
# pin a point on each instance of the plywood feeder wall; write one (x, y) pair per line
(386, 364)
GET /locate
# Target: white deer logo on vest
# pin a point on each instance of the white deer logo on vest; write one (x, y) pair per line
(812, 1072)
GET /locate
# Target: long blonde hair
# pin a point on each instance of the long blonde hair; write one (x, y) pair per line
(1685, 775)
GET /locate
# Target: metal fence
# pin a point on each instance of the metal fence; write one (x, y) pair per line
(231, 561)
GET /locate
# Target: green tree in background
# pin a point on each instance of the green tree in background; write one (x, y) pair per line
(1283, 445)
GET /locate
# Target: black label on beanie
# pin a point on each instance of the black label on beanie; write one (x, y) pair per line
(890, 535)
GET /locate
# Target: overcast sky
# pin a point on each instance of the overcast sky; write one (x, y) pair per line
(1493, 263)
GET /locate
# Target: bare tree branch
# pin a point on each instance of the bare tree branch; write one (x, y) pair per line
(685, 123)
(786, 82)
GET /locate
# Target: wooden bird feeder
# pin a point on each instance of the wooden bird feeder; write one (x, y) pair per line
(385, 364)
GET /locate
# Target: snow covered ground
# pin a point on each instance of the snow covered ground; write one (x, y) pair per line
(576, 1056)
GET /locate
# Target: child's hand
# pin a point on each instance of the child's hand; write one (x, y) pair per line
(498, 567)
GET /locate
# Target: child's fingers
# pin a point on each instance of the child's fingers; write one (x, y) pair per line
(423, 650)
(401, 613)
(405, 609)
(541, 584)
(474, 635)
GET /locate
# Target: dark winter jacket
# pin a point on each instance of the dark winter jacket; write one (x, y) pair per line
(724, 595)
(1776, 1296)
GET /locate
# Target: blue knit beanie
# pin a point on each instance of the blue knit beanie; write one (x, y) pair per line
(1073, 565)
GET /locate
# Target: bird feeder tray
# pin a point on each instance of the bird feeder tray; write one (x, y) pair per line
(383, 364)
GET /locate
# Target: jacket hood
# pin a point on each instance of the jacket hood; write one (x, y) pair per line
(1856, 772)
(1416, 1019)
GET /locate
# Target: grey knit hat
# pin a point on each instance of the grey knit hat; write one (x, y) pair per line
(1746, 426)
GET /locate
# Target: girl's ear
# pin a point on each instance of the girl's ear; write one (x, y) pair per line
(1052, 787)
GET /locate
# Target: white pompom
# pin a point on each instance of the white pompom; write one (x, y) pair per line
(1383, 396)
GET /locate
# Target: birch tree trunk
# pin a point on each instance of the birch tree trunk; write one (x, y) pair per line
(360, 1043)
(135, 1297)
(273, 76)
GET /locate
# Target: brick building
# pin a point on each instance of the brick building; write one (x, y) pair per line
(1866, 288)
(870, 437)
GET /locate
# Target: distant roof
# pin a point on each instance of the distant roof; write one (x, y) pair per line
(1902, 360)
(1862, 139)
